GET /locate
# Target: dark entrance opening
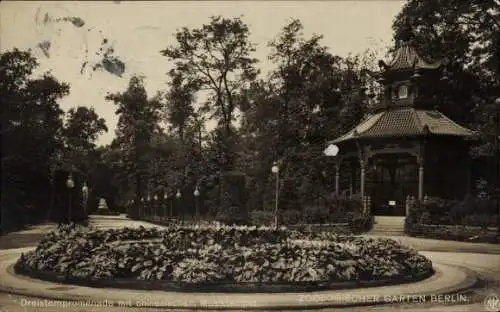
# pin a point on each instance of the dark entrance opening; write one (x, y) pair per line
(393, 178)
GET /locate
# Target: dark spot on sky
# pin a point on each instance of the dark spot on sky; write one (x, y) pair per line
(76, 21)
(83, 67)
(114, 66)
(104, 41)
(45, 47)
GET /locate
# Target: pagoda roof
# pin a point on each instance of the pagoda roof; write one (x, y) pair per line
(405, 122)
(407, 57)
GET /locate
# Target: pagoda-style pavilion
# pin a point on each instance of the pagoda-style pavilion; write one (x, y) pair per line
(406, 148)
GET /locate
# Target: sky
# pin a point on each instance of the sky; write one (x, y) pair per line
(137, 31)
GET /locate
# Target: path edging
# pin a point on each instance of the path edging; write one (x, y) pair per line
(459, 287)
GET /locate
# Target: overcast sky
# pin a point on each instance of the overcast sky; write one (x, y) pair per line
(137, 31)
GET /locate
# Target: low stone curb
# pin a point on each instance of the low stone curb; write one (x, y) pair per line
(230, 287)
(447, 280)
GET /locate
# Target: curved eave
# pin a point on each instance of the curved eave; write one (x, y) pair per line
(420, 65)
(406, 122)
(440, 125)
(407, 58)
(341, 140)
(363, 126)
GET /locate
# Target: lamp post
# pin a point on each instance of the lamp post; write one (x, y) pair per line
(178, 195)
(141, 213)
(148, 207)
(497, 159)
(165, 198)
(331, 151)
(196, 195)
(275, 169)
(155, 205)
(85, 193)
(70, 184)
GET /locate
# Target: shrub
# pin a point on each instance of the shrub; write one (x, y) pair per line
(231, 215)
(316, 214)
(290, 217)
(359, 223)
(232, 207)
(438, 211)
(261, 217)
(482, 220)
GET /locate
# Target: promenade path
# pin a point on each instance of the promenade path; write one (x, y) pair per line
(483, 259)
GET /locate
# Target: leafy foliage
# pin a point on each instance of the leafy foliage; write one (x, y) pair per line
(467, 35)
(216, 58)
(470, 212)
(203, 255)
(31, 136)
(137, 126)
(309, 97)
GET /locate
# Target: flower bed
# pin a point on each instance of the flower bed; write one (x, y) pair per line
(214, 258)
(455, 232)
(440, 219)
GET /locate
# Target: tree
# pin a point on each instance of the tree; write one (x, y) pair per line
(216, 58)
(309, 82)
(138, 122)
(83, 126)
(311, 97)
(179, 113)
(467, 34)
(31, 135)
(80, 132)
(179, 108)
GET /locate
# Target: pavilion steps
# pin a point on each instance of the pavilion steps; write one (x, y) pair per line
(388, 226)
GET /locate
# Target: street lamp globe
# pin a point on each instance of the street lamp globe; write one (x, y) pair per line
(331, 150)
(196, 192)
(148, 198)
(156, 197)
(85, 188)
(178, 195)
(70, 183)
(275, 168)
(142, 199)
(165, 195)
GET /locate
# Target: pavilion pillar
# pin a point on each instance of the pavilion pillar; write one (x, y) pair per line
(362, 182)
(420, 179)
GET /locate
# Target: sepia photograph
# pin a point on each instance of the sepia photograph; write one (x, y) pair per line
(235, 155)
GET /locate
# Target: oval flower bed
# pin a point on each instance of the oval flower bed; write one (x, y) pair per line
(220, 259)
